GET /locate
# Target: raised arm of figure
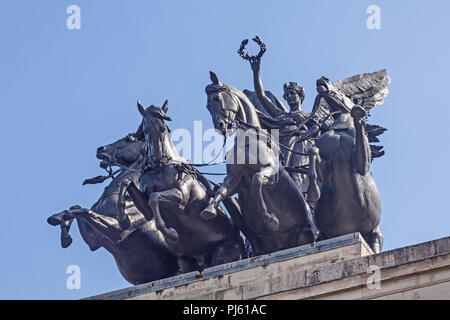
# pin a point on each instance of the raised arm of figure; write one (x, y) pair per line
(255, 63)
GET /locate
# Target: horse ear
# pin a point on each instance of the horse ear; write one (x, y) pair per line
(141, 108)
(165, 106)
(214, 78)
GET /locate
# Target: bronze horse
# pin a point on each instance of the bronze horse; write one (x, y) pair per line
(348, 199)
(141, 254)
(274, 211)
(176, 197)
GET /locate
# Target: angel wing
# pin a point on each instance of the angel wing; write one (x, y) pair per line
(367, 89)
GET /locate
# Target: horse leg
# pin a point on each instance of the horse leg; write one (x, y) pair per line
(229, 187)
(65, 221)
(138, 199)
(172, 198)
(375, 239)
(310, 232)
(228, 251)
(66, 239)
(361, 153)
(313, 191)
(90, 236)
(64, 224)
(265, 177)
(107, 226)
(98, 230)
(187, 264)
(316, 173)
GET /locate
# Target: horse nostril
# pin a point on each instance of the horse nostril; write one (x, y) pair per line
(100, 149)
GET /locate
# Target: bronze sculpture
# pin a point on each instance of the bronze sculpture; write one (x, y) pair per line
(141, 254)
(172, 187)
(272, 205)
(348, 199)
(160, 216)
(291, 123)
(345, 194)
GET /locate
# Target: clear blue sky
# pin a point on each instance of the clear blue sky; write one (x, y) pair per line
(66, 92)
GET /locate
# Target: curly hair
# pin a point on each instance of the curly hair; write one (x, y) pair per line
(293, 85)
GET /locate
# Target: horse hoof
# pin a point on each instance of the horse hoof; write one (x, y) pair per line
(272, 222)
(55, 220)
(315, 234)
(358, 112)
(75, 207)
(209, 213)
(66, 241)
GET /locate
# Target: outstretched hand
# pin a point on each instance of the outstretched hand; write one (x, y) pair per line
(255, 62)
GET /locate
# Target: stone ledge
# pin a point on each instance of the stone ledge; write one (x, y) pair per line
(343, 280)
(331, 269)
(184, 279)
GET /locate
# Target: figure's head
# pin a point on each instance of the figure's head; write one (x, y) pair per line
(125, 152)
(221, 105)
(293, 94)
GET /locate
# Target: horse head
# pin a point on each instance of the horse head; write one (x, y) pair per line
(336, 100)
(154, 119)
(125, 152)
(157, 134)
(229, 106)
(221, 105)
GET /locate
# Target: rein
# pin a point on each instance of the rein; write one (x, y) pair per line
(101, 179)
(111, 174)
(210, 163)
(244, 125)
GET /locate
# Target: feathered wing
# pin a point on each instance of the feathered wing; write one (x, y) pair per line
(373, 131)
(367, 89)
